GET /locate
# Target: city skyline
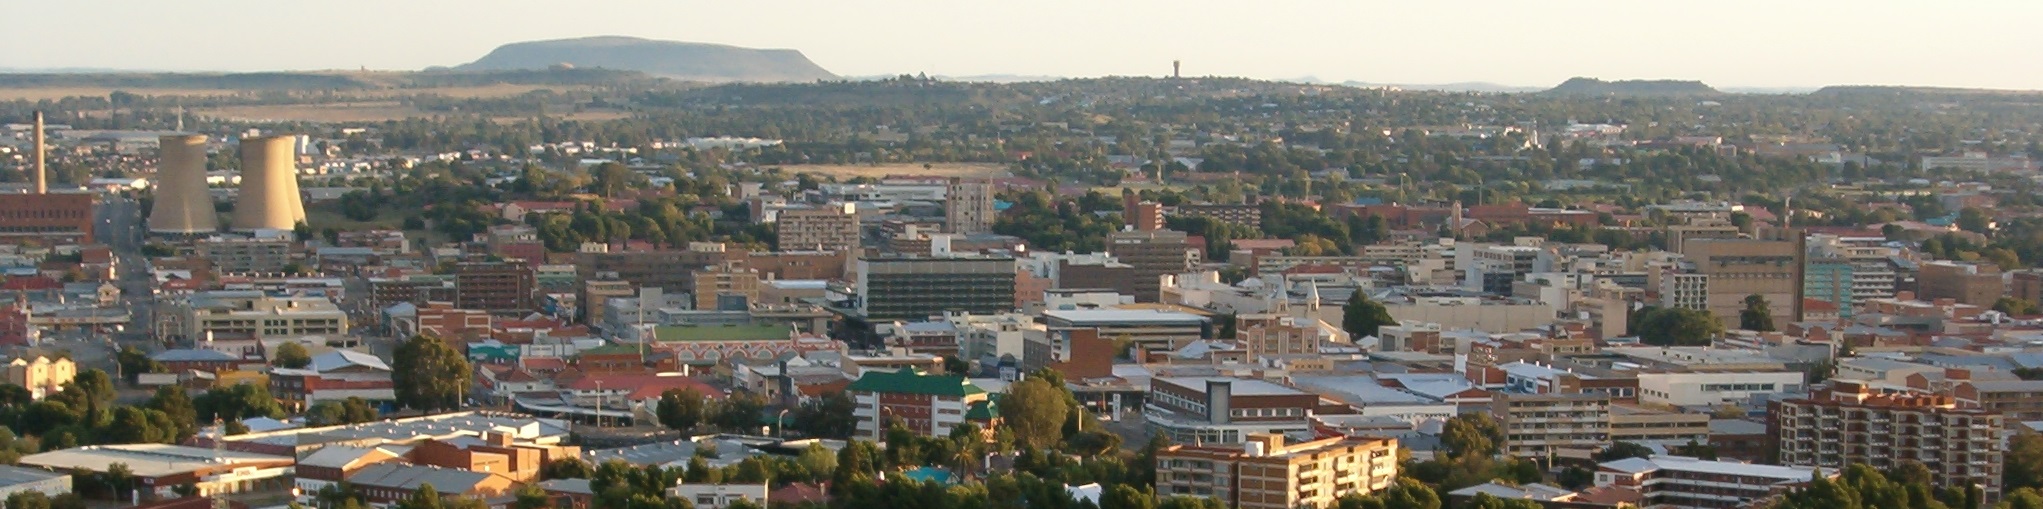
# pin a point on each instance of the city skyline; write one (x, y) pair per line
(1739, 44)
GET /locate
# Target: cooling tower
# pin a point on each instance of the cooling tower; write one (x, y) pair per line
(268, 199)
(183, 204)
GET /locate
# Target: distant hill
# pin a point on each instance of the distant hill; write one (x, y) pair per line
(321, 80)
(1593, 86)
(669, 59)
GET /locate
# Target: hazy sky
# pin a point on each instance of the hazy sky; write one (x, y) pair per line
(1972, 43)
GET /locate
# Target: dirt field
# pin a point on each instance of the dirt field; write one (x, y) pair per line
(333, 112)
(54, 93)
(847, 171)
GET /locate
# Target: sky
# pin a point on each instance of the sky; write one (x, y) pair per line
(1725, 43)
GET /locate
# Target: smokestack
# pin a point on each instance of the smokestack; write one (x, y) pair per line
(183, 204)
(268, 199)
(42, 172)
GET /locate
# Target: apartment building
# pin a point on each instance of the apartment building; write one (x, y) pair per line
(1848, 270)
(1225, 410)
(1708, 388)
(1632, 423)
(1679, 482)
(1266, 471)
(1243, 215)
(828, 228)
(42, 375)
(239, 255)
(1851, 422)
(1538, 425)
(2017, 400)
(911, 288)
(1492, 269)
(930, 405)
(969, 208)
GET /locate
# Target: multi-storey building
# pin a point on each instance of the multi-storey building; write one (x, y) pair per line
(333, 376)
(500, 288)
(1709, 388)
(670, 270)
(244, 254)
(46, 217)
(2018, 400)
(726, 287)
(2026, 284)
(1290, 336)
(969, 208)
(42, 376)
(1152, 330)
(1243, 215)
(930, 405)
(1635, 424)
(1540, 425)
(1152, 254)
(1492, 269)
(1266, 472)
(1851, 422)
(1771, 269)
(1978, 284)
(1679, 482)
(1848, 270)
(1217, 410)
(252, 314)
(904, 288)
(830, 228)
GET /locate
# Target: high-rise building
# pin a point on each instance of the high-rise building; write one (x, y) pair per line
(1851, 422)
(500, 288)
(1267, 472)
(183, 205)
(240, 255)
(1978, 284)
(914, 287)
(268, 198)
(1153, 254)
(1848, 270)
(970, 206)
(830, 228)
(1738, 268)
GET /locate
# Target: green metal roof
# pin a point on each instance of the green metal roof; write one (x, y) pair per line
(668, 333)
(910, 382)
(612, 349)
(982, 411)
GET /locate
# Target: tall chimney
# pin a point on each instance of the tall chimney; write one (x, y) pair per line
(42, 173)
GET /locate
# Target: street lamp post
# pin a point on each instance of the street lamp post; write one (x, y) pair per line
(599, 404)
(780, 424)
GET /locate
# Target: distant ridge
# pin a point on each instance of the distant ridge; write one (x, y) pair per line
(1593, 86)
(670, 59)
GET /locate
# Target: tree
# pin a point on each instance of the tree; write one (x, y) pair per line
(1471, 435)
(1972, 219)
(332, 413)
(2017, 306)
(232, 404)
(28, 499)
(828, 416)
(2023, 464)
(134, 362)
(429, 375)
(177, 406)
(1757, 315)
(1487, 501)
(530, 496)
(1622, 450)
(1675, 327)
(1361, 316)
(1036, 412)
(291, 356)
(681, 409)
(739, 412)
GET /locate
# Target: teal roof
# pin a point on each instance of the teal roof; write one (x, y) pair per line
(982, 411)
(929, 474)
(910, 382)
